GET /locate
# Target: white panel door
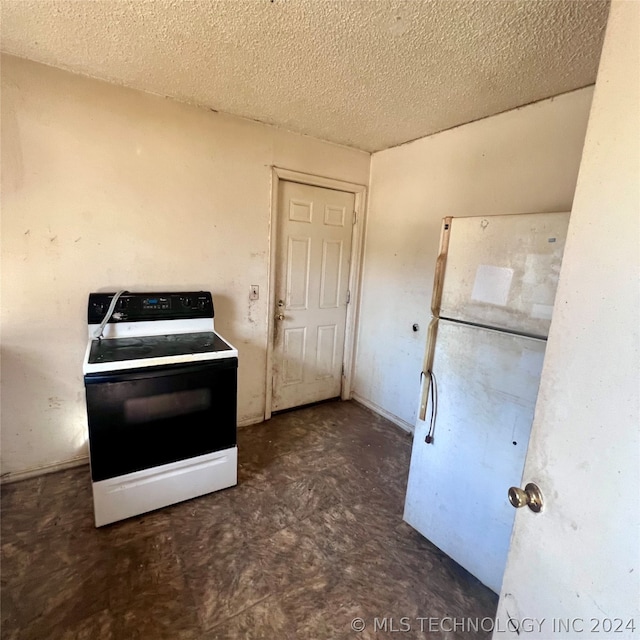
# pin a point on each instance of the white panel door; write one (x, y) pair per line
(312, 275)
(502, 271)
(487, 382)
(574, 568)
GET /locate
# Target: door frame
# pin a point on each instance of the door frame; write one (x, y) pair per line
(355, 268)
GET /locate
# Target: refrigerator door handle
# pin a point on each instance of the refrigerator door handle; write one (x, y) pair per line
(432, 334)
(424, 395)
(441, 264)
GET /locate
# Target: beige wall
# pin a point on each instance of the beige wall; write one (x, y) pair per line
(524, 160)
(106, 188)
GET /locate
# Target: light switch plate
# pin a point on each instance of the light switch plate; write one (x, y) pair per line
(254, 292)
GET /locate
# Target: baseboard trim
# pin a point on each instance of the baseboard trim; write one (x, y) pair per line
(15, 476)
(405, 426)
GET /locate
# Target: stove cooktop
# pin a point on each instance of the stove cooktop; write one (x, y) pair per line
(162, 346)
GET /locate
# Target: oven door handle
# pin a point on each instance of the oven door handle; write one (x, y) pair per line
(128, 375)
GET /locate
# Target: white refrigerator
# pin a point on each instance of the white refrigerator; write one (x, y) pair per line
(494, 290)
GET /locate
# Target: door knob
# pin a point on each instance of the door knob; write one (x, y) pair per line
(531, 496)
(280, 316)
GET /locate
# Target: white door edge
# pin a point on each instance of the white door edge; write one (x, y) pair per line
(357, 241)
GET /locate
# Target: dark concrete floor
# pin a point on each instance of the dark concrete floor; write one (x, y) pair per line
(311, 538)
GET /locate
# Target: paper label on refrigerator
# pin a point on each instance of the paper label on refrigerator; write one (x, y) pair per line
(492, 284)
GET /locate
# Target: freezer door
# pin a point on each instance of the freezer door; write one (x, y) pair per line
(502, 271)
(487, 383)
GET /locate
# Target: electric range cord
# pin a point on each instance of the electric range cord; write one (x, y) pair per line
(107, 316)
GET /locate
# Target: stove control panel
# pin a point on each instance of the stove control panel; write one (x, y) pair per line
(156, 303)
(134, 307)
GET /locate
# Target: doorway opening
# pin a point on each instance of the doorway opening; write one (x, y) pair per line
(316, 235)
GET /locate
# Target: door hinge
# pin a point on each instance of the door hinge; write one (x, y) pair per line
(355, 217)
(348, 296)
(343, 371)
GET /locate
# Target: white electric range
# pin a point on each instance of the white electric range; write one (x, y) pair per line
(161, 401)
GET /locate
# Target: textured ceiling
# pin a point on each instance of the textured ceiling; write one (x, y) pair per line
(369, 74)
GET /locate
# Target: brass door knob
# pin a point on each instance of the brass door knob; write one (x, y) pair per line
(280, 316)
(531, 496)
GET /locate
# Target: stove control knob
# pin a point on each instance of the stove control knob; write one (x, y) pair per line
(202, 304)
(186, 302)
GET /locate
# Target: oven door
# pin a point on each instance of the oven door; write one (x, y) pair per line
(143, 418)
